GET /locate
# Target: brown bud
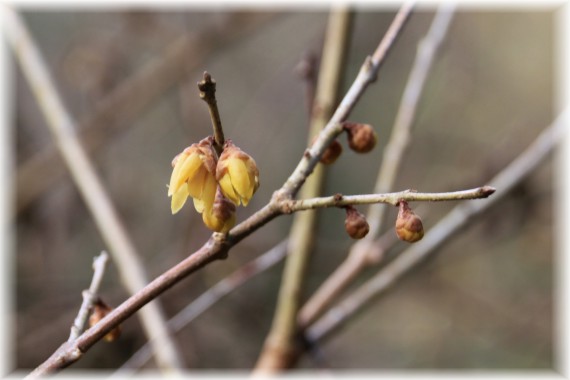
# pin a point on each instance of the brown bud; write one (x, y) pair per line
(355, 223)
(100, 310)
(222, 216)
(330, 154)
(408, 225)
(361, 137)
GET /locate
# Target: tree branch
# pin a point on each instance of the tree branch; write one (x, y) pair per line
(89, 296)
(108, 223)
(442, 232)
(393, 199)
(362, 254)
(207, 87)
(207, 299)
(218, 245)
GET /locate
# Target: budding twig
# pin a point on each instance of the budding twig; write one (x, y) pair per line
(357, 260)
(89, 296)
(438, 235)
(207, 87)
(389, 198)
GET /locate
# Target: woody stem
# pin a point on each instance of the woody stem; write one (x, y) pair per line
(207, 87)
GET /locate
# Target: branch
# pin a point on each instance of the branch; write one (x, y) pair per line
(362, 254)
(207, 87)
(218, 245)
(442, 232)
(393, 199)
(63, 130)
(89, 296)
(207, 299)
(281, 337)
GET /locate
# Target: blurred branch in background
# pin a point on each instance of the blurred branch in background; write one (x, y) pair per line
(126, 102)
(442, 232)
(281, 337)
(63, 130)
(368, 252)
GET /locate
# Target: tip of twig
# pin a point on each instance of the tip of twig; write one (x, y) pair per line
(487, 190)
(207, 77)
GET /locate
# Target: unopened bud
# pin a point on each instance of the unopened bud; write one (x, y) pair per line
(355, 223)
(100, 310)
(361, 137)
(222, 216)
(333, 151)
(408, 225)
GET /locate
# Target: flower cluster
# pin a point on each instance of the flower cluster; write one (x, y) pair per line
(216, 186)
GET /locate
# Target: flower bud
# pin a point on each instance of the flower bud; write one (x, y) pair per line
(222, 217)
(361, 137)
(408, 225)
(100, 310)
(332, 152)
(355, 223)
(237, 174)
(194, 176)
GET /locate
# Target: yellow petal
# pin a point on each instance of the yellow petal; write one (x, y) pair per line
(196, 183)
(176, 171)
(183, 170)
(209, 192)
(179, 198)
(240, 178)
(228, 189)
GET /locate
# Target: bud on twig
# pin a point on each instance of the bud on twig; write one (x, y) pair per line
(355, 223)
(100, 310)
(222, 217)
(333, 151)
(409, 226)
(361, 137)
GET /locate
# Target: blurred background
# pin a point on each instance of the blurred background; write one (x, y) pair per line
(485, 301)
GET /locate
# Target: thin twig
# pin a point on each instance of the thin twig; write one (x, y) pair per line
(441, 233)
(360, 255)
(389, 198)
(89, 296)
(218, 245)
(207, 87)
(207, 299)
(112, 230)
(126, 102)
(281, 337)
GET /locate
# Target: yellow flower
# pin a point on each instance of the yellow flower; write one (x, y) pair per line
(194, 176)
(237, 174)
(222, 216)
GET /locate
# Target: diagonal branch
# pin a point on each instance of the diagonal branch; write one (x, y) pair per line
(207, 299)
(112, 230)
